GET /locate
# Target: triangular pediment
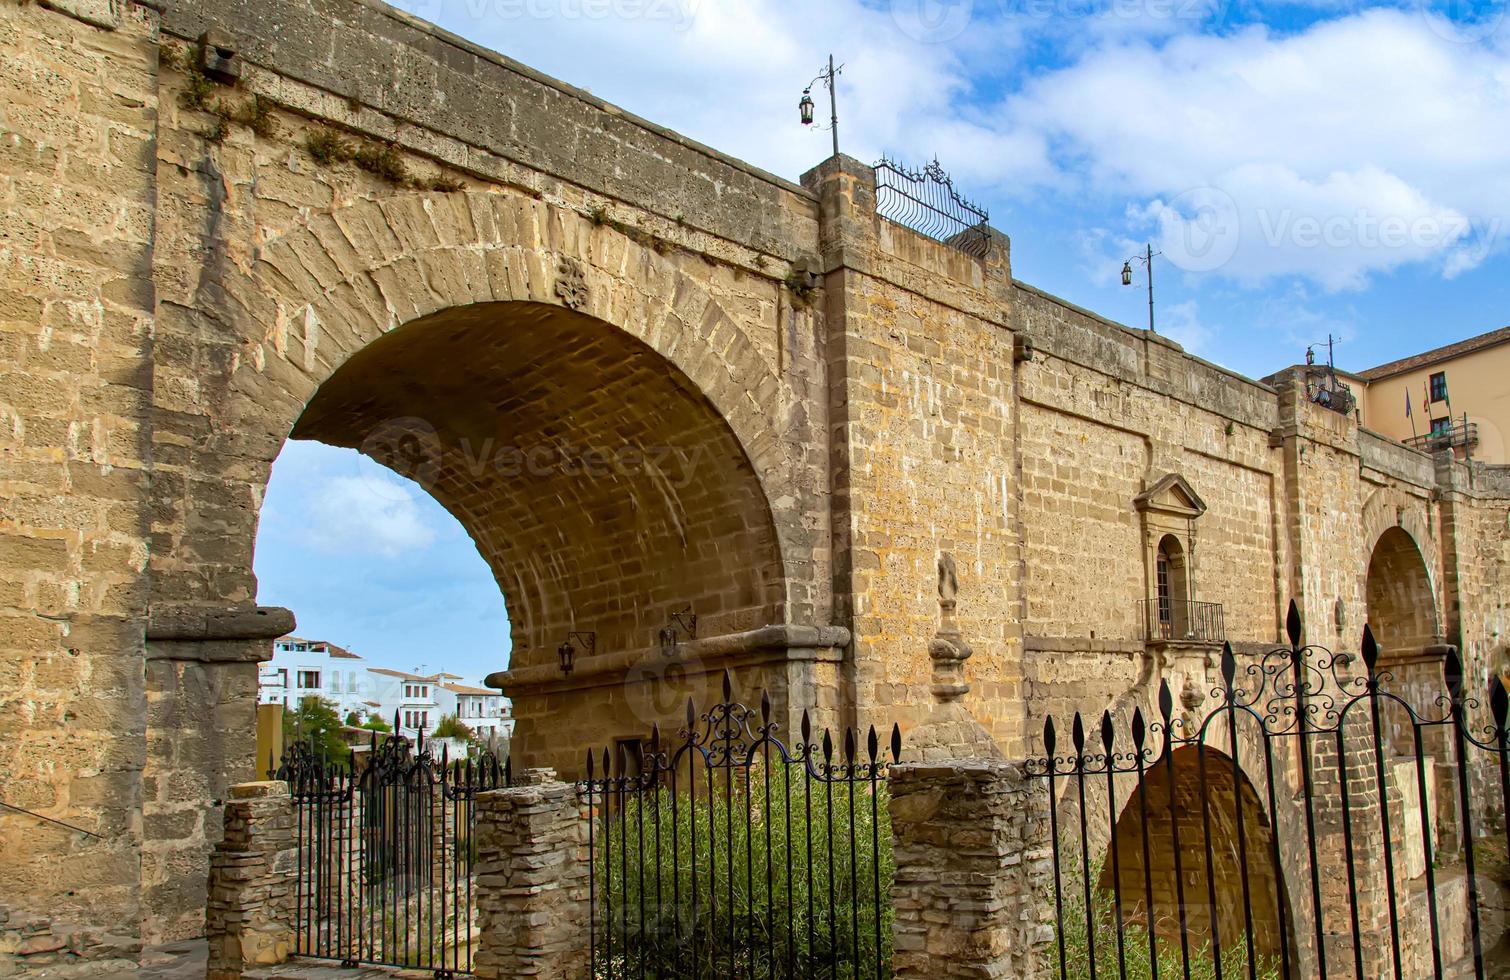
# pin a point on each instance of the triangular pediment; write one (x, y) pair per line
(1171, 494)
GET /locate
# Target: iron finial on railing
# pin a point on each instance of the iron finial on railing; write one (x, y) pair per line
(1292, 625)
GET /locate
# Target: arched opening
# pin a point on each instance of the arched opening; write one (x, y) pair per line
(1171, 589)
(1167, 818)
(1401, 608)
(599, 484)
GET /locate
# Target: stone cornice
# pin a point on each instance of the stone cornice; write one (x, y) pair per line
(784, 642)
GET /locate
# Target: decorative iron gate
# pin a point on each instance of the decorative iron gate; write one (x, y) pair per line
(385, 853)
(729, 854)
(1327, 817)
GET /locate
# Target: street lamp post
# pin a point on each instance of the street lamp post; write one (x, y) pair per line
(827, 76)
(1127, 276)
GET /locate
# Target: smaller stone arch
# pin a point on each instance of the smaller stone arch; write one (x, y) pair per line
(1179, 798)
(1400, 598)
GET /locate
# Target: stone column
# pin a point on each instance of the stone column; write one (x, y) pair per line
(249, 917)
(532, 880)
(973, 888)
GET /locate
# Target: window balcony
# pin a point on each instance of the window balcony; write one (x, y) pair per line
(1181, 620)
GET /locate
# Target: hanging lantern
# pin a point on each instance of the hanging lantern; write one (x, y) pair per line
(567, 653)
(1127, 273)
(805, 106)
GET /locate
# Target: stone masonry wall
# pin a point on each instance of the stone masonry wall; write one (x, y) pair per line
(78, 109)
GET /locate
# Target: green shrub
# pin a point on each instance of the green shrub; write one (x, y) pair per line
(807, 907)
(451, 726)
(1076, 933)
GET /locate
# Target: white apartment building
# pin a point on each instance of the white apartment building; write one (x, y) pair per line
(302, 668)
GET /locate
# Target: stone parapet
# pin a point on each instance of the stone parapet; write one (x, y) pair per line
(973, 860)
(249, 917)
(532, 901)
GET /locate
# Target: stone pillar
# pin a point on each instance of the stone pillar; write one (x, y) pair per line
(532, 880)
(249, 918)
(973, 888)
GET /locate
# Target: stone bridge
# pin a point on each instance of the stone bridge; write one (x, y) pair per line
(647, 378)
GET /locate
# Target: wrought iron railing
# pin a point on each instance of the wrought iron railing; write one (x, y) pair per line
(384, 868)
(1464, 434)
(730, 854)
(1182, 619)
(926, 202)
(1300, 825)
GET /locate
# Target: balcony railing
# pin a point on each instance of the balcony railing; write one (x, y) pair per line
(1465, 434)
(1181, 619)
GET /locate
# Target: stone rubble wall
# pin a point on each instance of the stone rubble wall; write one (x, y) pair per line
(249, 916)
(532, 880)
(973, 887)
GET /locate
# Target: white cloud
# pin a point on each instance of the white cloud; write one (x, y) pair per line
(1360, 145)
(1340, 134)
(366, 514)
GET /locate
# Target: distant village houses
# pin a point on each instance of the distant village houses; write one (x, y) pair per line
(302, 668)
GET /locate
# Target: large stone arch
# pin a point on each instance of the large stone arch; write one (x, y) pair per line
(318, 335)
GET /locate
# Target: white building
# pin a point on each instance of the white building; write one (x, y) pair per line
(485, 712)
(303, 668)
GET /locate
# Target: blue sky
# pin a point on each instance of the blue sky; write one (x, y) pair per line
(1306, 166)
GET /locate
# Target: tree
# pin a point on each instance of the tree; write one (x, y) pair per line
(376, 724)
(451, 726)
(316, 723)
(352, 721)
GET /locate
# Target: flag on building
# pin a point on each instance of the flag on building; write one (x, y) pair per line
(1407, 403)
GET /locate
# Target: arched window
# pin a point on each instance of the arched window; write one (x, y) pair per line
(1173, 594)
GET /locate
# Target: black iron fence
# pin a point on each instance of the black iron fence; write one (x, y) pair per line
(729, 853)
(1326, 816)
(1182, 619)
(926, 201)
(386, 852)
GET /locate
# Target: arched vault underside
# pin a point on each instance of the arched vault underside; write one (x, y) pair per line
(602, 488)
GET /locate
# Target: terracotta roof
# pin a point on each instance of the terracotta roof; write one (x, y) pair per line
(1484, 340)
(464, 689)
(401, 673)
